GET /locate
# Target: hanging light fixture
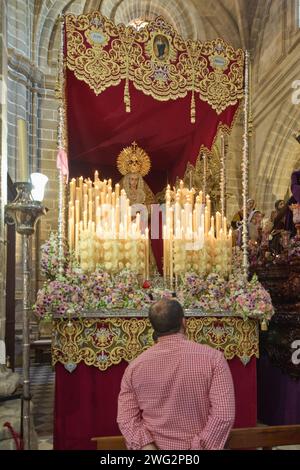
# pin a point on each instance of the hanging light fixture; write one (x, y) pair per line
(38, 181)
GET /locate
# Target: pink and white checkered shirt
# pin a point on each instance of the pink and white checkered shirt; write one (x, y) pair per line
(177, 394)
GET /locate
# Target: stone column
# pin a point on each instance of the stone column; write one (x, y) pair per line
(3, 160)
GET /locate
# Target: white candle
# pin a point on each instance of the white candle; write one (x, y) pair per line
(208, 204)
(147, 252)
(77, 240)
(138, 222)
(72, 191)
(90, 211)
(207, 226)
(85, 217)
(77, 212)
(85, 202)
(225, 226)
(218, 223)
(165, 253)
(79, 198)
(212, 225)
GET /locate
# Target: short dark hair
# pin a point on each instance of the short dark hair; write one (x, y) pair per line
(166, 317)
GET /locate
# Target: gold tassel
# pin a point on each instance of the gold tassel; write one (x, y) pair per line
(193, 108)
(264, 325)
(127, 96)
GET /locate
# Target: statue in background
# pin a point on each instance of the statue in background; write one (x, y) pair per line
(134, 163)
(294, 199)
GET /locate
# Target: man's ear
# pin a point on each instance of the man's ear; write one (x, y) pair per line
(183, 323)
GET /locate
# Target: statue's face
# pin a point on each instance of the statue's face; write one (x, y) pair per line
(281, 205)
(134, 164)
(257, 218)
(250, 204)
(133, 181)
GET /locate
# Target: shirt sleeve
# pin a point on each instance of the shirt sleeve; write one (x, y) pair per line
(129, 418)
(222, 410)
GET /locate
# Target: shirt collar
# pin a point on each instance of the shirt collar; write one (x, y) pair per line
(173, 338)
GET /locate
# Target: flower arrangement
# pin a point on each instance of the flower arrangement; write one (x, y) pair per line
(76, 290)
(294, 249)
(100, 290)
(59, 296)
(50, 257)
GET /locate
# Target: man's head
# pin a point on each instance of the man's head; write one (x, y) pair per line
(166, 317)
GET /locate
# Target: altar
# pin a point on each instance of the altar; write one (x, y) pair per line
(90, 355)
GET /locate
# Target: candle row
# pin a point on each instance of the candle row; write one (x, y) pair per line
(113, 255)
(104, 217)
(193, 239)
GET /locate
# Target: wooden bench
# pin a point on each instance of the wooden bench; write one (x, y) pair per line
(42, 344)
(265, 437)
(110, 443)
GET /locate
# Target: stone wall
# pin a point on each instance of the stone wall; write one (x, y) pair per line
(3, 159)
(275, 58)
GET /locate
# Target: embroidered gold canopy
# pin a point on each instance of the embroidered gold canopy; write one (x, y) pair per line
(155, 59)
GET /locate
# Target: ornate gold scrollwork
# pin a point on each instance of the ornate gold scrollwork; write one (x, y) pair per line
(156, 59)
(104, 342)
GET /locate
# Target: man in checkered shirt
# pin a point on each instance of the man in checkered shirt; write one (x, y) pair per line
(177, 395)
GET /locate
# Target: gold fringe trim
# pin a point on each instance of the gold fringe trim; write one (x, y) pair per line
(156, 59)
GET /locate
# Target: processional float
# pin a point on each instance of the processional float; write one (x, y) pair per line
(128, 97)
(154, 61)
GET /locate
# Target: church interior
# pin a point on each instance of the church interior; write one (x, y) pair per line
(149, 149)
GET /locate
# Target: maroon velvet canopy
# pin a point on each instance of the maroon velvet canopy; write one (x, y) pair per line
(107, 65)
(99, 128)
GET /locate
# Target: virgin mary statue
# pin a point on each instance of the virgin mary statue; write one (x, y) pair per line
(134, 163)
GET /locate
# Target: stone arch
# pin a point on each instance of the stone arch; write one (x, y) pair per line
(260, 18)
(258, 32)
(277, 167)
(179, 14)
(92, 5)
(45, 38)
(280, 152)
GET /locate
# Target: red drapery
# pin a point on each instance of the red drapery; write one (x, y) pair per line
(86, 402)
(99, 128)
